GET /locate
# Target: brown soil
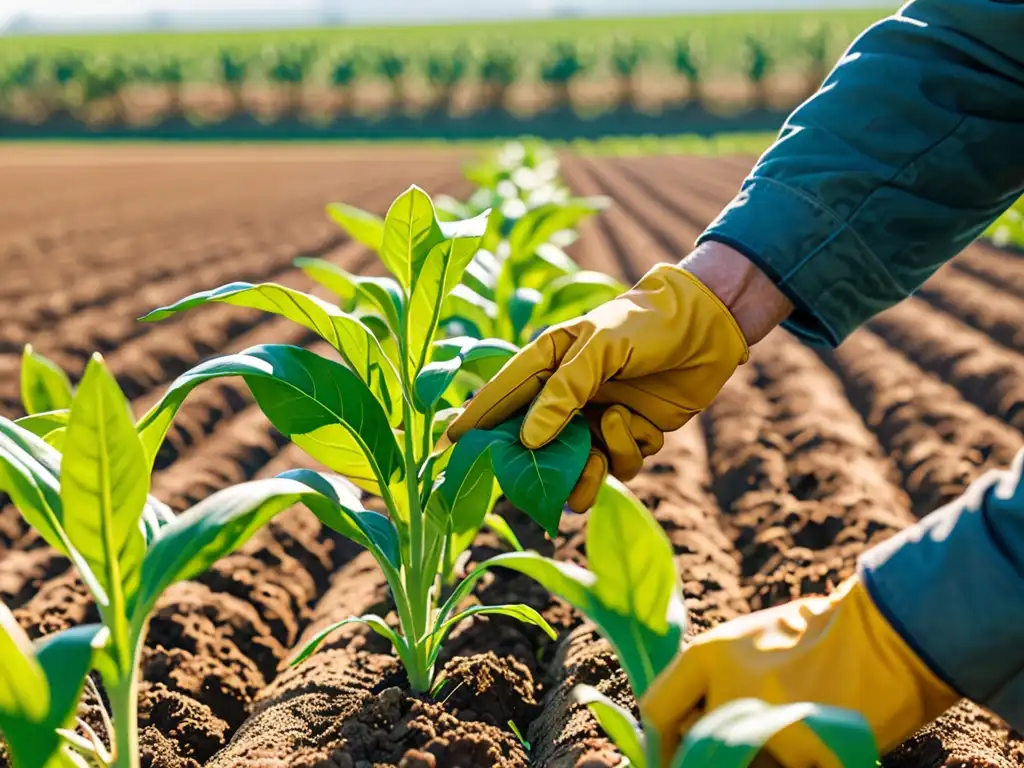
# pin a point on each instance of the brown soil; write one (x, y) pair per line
(802, 462)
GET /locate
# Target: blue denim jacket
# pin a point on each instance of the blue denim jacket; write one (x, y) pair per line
(911, 148)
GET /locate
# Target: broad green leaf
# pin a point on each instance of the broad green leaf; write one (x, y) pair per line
(520, 309)
(342, 511)
(66, 658)
(56, 438)
(381, 294)
(439, 274)
(575, 295)
(616, 721)
(24, 693)
(351, 338)
(732, 735)
(503, 530)
(322, 405)
(363, 226)
(104, 482)
(548, 264)
(45, 422)
(466, 305)
(537, 226)
(523, 613)
(60, 664)
(463, 497)
(411, 229)
(481, 275)
(32, 482)
(632, 558)
(44, 386)
(537, 482)
(215, 527)
(30, 475)
(481, 358)
(376, 623)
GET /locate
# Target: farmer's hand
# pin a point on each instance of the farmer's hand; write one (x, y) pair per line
(836, 650)
(638, 366)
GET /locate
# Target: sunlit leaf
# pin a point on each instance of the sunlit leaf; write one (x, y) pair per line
(104, 482)
(538, 482)
(732, 735)
(322, 405)
(219, 525)
(363, 226)
(43, 423)
(519, 612)
(44, 385)
(616, 721)
(352, 339)
(480, 358)
(376, 623)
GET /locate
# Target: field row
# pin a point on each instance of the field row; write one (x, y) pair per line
(802, 462)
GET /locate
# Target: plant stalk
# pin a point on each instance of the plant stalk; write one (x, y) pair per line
(124, 706)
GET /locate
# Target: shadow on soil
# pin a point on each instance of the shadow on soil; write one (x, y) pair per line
(556, 124)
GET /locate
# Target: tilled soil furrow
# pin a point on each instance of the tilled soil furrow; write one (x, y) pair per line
(117, 329)
(986, 374)
(974, 301)
(618, 233)
(803, 485)
(299, 220)
(682, 186)
(939, 442)
(659, 221)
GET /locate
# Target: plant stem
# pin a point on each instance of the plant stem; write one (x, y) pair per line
(124, 705)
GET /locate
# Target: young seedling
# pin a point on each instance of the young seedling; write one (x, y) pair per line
(40, 686)
(92, 505)
(378, 416)
(633, 595)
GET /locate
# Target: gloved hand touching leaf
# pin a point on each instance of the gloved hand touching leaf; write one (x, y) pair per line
(638, 366)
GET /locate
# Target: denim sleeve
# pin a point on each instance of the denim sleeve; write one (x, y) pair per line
(912, 146)
(952, 586)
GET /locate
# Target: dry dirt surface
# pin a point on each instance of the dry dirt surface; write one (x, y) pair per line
(802, 462)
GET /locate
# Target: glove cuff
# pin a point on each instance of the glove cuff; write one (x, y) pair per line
(688, 285)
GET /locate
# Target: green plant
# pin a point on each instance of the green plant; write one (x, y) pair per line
(391, 66)
(627, 56)
(92, 505)
(633, 595)
(288, 66)
(563, 65)
(40, 687)
(345, 70)
(499, 70)
(232, 71)
(378, 416)
(687, 59)
(522, 280)
(760, 64)
(445, 69)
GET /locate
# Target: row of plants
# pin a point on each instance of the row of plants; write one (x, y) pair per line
(75, 81)
(468, 282)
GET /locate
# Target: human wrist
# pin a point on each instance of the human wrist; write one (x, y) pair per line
(748, 293)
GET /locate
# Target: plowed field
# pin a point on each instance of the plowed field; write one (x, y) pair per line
(802, 462)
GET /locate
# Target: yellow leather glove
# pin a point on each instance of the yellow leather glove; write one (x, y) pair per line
(638, 366)
(836, 650)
